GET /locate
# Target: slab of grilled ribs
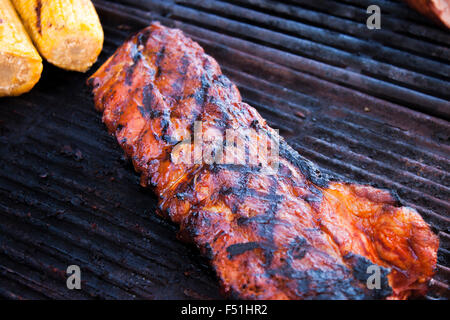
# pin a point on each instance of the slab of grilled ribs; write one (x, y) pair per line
(292, 234)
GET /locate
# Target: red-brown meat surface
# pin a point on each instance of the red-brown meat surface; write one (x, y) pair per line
(285, 234)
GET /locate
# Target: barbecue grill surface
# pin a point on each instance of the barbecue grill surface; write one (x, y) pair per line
(366, 106)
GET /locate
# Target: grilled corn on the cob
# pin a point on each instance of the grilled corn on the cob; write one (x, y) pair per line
(20, 63)
(66, 32)
(438, 10)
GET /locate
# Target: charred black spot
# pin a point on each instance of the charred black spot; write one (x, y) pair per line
(337, 283)
(164, 124)
(158, 72)
(313, 198)
(90, 83)
(222, 123)
(191, 226)
(177, 87)
(148, 112)
(242, 221)
(310, 171)
(226, 191)
(298, 248)
(224, 81)
(255, 124)
(201, 93)
(284, 171)
(240, 248)
(239, 167)
(135, 56)
(214, 168)
(147, 97)
(243, 192)
(361, 272)
(260, 220)
(144, 112)
(143, 37)
(208, 251)
(38, 10)
(169, 140)
(180, 196)
(159, 58)
(266, 230)
(243, 189)
(182, 68)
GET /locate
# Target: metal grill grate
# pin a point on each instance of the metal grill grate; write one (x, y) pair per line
(370, 106)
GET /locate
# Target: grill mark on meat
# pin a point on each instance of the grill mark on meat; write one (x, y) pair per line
(239, 248)
(241, 191)
(266, 230)
(146, 109)
(311, 172)
(182, 69)
(142, 37)
(159, 58)
(249, 192)
(200, 95)
(136, 56)
(165, 122)
(298, 248)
